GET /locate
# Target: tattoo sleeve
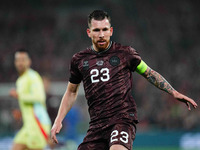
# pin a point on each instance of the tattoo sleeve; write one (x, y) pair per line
(158, 80)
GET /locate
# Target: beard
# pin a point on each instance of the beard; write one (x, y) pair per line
(21, 69)
(101, 45)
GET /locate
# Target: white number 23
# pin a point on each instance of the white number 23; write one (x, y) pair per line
(123, 136)
(95, 73)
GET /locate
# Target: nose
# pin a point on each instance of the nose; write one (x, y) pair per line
(101, 34)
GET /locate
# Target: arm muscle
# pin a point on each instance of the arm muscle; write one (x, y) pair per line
(158, 80)
(67, 101)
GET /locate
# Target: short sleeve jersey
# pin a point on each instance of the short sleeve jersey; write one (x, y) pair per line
(31, 98)
(107, 81)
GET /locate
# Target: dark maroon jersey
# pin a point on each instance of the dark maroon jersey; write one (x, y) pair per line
(107, 81)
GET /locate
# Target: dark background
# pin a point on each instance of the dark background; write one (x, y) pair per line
(165, 33)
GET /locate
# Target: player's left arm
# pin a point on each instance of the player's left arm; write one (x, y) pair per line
(160, 82)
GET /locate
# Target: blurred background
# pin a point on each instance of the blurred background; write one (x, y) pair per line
(165, 33)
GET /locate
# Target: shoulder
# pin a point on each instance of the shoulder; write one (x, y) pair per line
(33, 75)
(81, 55)
(125, 48)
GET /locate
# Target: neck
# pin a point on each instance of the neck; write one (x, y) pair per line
(101, 50)
(22, 72)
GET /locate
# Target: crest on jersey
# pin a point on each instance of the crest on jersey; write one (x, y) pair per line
(100, 63)
(85, 65)
(114, 61)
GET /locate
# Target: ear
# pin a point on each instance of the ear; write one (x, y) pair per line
(88, 32)
(111, 31)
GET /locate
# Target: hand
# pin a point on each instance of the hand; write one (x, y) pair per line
(50, 143)
(185, 100)
(13, 93)
(55, 130)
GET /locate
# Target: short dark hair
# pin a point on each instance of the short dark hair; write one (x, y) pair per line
(23, 50)
(98, 15)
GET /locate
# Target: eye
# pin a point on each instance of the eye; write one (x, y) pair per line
(105, 29)
(96, 30)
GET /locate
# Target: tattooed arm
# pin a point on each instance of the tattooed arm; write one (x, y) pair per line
(159, 81)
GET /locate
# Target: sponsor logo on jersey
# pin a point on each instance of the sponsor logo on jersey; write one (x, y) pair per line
(100, 63)
(85, 65)
(114, 61)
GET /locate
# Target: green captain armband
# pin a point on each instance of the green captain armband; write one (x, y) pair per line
(142, 67)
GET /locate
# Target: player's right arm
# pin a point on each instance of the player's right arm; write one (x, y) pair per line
(68, 100)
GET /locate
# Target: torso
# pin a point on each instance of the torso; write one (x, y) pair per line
(107, 81)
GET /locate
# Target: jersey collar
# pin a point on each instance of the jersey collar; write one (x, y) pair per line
(104, 50)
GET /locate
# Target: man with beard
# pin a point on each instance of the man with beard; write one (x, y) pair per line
(30, 94)
(106, 71)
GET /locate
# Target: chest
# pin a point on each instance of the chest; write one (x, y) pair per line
(23, 85)
(97, 68)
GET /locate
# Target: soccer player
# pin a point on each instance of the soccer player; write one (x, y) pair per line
(31, 97)
(105, 69)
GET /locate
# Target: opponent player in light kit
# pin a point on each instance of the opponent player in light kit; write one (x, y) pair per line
(106, 71)
(30, 93)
